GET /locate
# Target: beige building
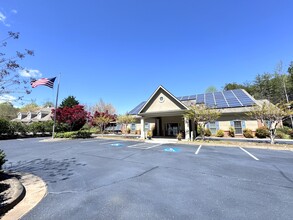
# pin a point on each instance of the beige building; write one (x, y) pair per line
(163, 113)
(44, 114)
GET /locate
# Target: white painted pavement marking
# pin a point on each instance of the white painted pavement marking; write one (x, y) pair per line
(154, 146)
(249, 153)
(100, 142)
(135, 145)
(111, 142)
(197, 151)
(88, 141)
(20, 139)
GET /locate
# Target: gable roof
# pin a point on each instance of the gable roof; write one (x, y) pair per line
(220, 100)
(162, 89)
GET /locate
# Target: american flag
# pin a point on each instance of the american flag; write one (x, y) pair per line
(43, 82)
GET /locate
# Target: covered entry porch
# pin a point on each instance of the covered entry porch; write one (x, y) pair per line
(166, 126)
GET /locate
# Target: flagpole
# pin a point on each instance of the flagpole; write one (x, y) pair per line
(56, 104)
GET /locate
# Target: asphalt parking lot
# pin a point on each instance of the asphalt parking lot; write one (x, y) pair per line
(114, 179)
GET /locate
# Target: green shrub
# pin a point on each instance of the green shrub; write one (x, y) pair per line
(62, 127)
(179, 136)
(247, 133)
(285, 130)
(282, 135)
(59, 135)
(86, 126)
(150, 133)
(291, 134)
(36, 127)
(4, 126)
(83, 134)
(94, 130)
(262, 132)
(231, 131)
(199, 129)
(48, 126)
(220, 133)
(73, 134)
(207, 132)
(2, 158)
(19, 127)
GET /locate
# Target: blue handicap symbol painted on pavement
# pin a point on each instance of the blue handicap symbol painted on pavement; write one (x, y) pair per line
(172, 149)
(117, 145)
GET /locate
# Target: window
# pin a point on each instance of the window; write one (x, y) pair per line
(267, 123)
(133, 127)
(238, 127)
(213, 127)
(146, 126)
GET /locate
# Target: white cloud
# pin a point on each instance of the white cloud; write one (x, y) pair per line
(30, 73)
(3, 19)
(7, 98)
(14, 11)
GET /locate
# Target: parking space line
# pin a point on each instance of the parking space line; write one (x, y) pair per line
(249, 153)
(100, 142)
(89, 141)
(154, 146)
(111, 142)
(134, 145)
(197, 151)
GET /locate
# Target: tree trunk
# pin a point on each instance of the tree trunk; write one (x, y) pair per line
(272, 136)
(202, 134)
(193, 131)
(102, 132)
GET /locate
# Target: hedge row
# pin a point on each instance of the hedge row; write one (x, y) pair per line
(73, 134)
(11, 128)
(262, 132)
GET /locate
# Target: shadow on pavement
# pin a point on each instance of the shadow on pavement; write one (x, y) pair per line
(50, 170)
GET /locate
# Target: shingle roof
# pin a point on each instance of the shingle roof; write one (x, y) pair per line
(220, 100)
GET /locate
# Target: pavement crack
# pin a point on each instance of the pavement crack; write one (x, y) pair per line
(124, 180)
(283, 174)
(145, 172)
(112, 158)
(128, 156)
(230, 177)
(63, 192)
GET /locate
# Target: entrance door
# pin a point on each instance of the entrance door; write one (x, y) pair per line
(172, 129)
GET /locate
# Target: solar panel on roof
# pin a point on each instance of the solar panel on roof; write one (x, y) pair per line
(200, 98)
(192, 97)
(220, 100)
(225, 99)
(209, 100)
(231, 99)
(243, 97)
(185, 98)
(136, 109)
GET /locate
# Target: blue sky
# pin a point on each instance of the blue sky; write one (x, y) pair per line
(122, 50)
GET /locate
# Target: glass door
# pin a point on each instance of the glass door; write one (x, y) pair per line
(172, 129)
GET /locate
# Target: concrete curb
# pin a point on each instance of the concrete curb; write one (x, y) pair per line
(36, 190)
(17, 194)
